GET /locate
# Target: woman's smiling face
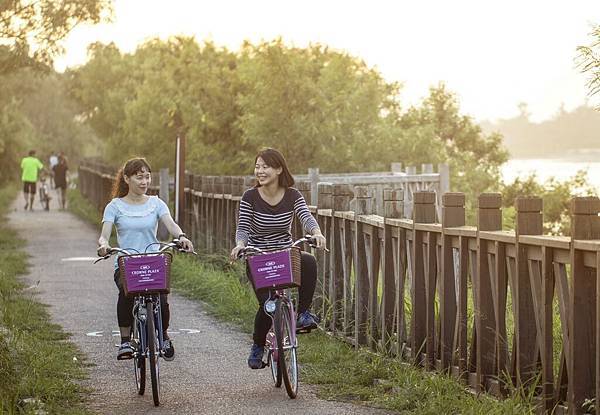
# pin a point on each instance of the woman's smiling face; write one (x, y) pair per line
(266, 174)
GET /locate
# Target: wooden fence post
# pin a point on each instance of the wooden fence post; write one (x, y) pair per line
(362, 206)
(528, 222)
(423, 288)
(453, 215)
(585, 225)
(325, 200)
(393, 200)
(342, 202)
(342, 193)
(489, 218)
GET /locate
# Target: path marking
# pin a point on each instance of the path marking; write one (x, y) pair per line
(116, 333)
(79, 258)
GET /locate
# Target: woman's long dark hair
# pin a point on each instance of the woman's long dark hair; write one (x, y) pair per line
(275, 159)
(131, 167)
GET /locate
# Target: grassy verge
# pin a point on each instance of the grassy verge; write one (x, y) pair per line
(341, 372)
(39, 368)
(82, 208)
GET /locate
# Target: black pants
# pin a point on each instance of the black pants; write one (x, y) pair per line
(262, 321)
(125, 307)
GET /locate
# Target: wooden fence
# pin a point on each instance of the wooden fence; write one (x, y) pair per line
(497, 309)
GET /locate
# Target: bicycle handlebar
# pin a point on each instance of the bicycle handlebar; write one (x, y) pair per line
(173, 244)
(250, 250)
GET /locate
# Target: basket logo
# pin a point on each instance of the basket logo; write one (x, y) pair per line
(269, 263)
(144, 266)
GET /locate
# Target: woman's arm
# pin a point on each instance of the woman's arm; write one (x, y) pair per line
(176, 231)
(103, 246)
(243, 227)
(309, 223)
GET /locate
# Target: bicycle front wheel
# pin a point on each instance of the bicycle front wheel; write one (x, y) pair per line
(273, 358)
(153, 354)
(139, 360)
(286, 346)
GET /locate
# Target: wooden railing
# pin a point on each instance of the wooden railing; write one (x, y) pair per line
(497, 309)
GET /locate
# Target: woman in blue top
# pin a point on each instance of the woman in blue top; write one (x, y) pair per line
(136, 216)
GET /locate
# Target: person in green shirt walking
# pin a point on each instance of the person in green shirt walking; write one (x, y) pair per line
(30, 167)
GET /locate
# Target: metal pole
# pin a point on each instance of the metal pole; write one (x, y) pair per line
(180, 178)
(177, 175)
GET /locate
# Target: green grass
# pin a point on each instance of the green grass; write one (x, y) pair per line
(81, 207)
(37, 363)
(342, 372)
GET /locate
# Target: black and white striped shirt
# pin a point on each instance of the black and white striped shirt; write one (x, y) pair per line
(266, 226)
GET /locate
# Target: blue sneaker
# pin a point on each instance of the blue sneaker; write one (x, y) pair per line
(306, 321)
(125, 351)
(256, 355)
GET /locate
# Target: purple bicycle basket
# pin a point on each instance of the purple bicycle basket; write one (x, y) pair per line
(278, 269)
(142, 274)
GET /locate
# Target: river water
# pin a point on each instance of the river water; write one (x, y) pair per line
(561, 169)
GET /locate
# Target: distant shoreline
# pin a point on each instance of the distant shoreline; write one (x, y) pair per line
(561, 169)
(591, 155)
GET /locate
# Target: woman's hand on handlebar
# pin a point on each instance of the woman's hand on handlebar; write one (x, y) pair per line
(320, 241)
(103, 250)
(235, 252)
(186, 244)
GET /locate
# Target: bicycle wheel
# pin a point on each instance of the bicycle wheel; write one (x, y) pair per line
(139, 360)
(153, 354)
(273, 353)
(286, 339)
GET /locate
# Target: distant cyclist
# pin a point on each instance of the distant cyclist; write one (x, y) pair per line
(265, 221)
(30, 167)
(136, 216)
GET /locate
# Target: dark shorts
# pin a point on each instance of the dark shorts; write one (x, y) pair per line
(60, 185)
(29, 187)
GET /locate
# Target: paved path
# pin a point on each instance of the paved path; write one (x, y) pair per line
(209, 374)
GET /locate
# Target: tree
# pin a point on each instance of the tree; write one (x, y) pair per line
(474, 157)
(320, 107)
(31, 30)
(15, 133)
(589, 61)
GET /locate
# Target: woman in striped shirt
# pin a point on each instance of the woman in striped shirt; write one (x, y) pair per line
(265, 221)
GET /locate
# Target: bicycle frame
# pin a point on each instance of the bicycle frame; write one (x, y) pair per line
(140, 317)
(270, 309)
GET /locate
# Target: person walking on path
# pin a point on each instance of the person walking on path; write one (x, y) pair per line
(265, 221)
(60, 179)
(52, 161)
(30, 167)
(136, 216)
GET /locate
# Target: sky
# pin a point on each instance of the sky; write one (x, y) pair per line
(492, 54)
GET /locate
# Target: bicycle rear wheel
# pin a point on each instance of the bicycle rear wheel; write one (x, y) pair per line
(286, 345)
(139, 360)
(153, 354)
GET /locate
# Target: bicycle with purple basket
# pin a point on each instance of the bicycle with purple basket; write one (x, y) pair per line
(279, 271)
(145, 276)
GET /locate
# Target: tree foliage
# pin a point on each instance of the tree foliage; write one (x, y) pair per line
(589, 61)
(36, 113)
(31, 30)
(322, 108)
